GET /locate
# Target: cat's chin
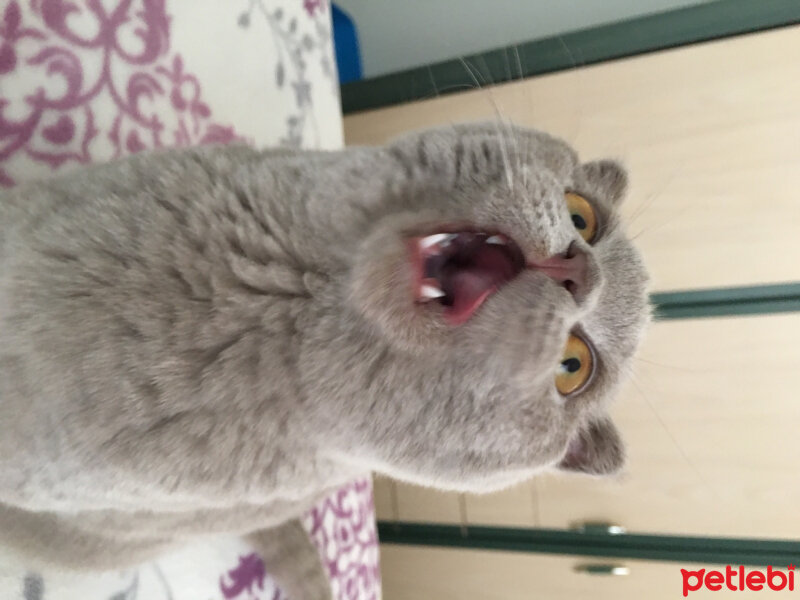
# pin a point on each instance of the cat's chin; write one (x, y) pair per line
(459, 268)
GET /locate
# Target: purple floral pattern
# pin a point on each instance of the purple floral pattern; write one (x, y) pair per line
(343, 528)
(293, 48)
(64, 63)
(246, 578)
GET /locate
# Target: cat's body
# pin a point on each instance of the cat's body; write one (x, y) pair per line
(207, 340)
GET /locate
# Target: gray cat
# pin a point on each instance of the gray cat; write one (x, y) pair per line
(208, 340)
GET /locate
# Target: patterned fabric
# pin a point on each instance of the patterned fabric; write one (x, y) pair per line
(85, 81)
(343, 527)
(91, 80)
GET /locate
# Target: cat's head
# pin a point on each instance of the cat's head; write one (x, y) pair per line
(500, 278)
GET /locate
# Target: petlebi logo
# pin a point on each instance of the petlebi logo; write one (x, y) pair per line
(738, 579)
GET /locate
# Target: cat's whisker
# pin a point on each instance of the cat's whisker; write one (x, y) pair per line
(486, 82)
(648, 202)
(456, 86)
(519, 163)
(578, 113)
(509, 134)
(657, 226)
(504, 150)
(602, 228)
(436, 92)
(499, 116)
(685, 457)
(519, 62)
(530, 101)
(643, 207)
(508, 126)
(655, 363)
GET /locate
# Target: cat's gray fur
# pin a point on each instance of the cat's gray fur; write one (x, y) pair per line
(206, 340)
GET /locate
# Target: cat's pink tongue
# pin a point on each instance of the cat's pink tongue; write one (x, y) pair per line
(470, 289)
(471, 284)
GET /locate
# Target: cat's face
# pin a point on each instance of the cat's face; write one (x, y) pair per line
(511, 301)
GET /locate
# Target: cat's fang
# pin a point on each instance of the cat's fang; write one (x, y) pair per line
(429, 292)
(497, 239)
(436, 239)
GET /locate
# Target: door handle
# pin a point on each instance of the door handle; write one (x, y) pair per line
(598, 528)
(602, 569)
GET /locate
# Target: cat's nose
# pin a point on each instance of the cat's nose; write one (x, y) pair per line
(570, 269)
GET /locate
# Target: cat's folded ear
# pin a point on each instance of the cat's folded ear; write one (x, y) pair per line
(595, 449)
(608, 178)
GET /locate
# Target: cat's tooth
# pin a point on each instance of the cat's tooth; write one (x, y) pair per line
(429, 292)
(436, 238)
(497, 239)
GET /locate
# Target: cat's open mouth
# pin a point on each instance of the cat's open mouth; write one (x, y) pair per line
(461, 269)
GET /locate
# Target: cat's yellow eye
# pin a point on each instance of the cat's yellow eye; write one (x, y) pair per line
(576, 368)
(582, 214)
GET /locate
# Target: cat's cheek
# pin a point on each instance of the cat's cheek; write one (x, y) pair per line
(548, 431)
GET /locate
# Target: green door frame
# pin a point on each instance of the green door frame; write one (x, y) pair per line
(683, 549)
